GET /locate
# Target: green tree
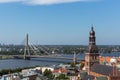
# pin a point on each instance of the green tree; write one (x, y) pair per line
(72, 64)
(48, 74)
(62, 77)
(82, 65)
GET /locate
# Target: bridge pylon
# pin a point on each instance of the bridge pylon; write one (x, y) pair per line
(26, 50)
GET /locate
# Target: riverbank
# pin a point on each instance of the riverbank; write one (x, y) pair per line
(3, 57)
(8, 71)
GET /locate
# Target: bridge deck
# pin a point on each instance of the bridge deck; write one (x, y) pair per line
(47, 56)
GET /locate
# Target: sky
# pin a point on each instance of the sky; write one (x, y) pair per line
(59, 22)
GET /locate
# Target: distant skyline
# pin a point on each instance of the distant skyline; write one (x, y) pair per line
(59, 22)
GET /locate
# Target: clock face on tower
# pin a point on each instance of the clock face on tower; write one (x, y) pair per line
(92, 49)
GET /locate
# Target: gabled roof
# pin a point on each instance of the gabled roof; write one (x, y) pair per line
(102, 69)
(89, 77)
(62, 70)
(83, 74)
(101, 78)
(72, 74)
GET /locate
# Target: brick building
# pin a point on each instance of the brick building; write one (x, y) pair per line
(92, 65)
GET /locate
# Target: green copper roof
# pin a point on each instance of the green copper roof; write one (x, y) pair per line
(101, 78)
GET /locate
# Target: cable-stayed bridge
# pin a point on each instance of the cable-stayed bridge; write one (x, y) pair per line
(33, 51)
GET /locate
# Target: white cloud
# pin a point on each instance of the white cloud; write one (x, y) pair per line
(47, 2)
(44, 2)
(7, 1)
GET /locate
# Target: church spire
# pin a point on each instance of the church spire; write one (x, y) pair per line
(74, 58)
(92, 56)
(92, 48)
(92, 37)
(92, 27)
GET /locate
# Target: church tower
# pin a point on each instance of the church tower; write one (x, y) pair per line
(74, 59)
(92, 56)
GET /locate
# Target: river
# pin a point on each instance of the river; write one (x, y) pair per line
(19, 63)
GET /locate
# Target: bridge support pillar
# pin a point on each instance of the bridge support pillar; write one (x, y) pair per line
(26, 51)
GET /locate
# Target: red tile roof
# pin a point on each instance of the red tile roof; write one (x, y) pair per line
(60, 70)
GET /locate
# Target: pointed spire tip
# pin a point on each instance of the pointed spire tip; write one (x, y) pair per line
(92, 27)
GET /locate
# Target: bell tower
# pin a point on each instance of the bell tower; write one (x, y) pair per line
(92, 56)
